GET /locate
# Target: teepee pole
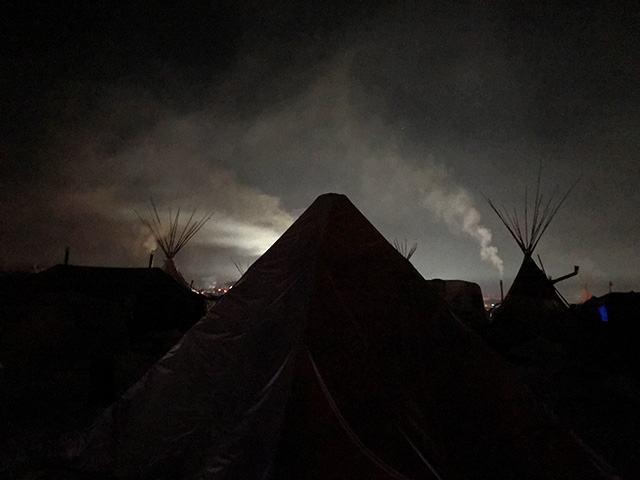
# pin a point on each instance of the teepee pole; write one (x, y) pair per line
(544, 210)
(170, 237)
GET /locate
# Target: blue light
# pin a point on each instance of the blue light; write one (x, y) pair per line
(603, 313)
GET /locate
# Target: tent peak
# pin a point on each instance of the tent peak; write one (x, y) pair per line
(529, 228)
(168, 236)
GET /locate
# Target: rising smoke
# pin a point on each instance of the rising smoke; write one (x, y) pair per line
(264, 140)
(433, 189)
(376, 151)
(456, 207)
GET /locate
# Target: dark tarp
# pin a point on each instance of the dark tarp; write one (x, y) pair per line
(302, 371)
(73, 339)
(609, 331)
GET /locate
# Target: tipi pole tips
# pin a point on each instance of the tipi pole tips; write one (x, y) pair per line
(536, 222)
(405, 251)
(169, 237)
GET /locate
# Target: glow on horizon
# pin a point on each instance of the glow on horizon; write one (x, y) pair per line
(249, 238)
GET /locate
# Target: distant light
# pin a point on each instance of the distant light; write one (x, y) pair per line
(603, 313)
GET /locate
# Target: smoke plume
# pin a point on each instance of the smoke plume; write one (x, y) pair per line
(384, 160)
(434, 190)
(455, 206)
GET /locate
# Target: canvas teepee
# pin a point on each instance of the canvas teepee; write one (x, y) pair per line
(300, 371)
(532, 304)
(171, 238)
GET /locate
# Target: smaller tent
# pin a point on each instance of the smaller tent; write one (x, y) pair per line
(531, 307)
(465, 300)
(156, 301)
(532, 304)
(74, 338)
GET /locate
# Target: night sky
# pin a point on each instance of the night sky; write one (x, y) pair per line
(252, 109)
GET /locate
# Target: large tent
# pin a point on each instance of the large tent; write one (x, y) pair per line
(303, 371)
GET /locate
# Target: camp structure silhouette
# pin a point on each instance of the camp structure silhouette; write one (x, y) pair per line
(532, 304)
(170, 237)
(303, 371)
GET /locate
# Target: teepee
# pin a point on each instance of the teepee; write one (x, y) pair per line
(532, 304)
(171, 238)
(301, 372)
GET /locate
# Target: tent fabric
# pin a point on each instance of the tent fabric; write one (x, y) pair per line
(303, 371)
(532, 306)
(169, 267)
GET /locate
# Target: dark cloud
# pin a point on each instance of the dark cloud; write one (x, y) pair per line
(253, 109)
